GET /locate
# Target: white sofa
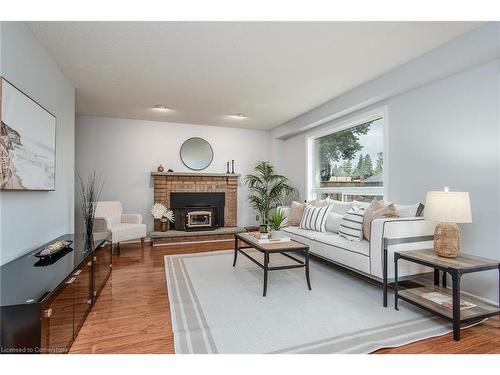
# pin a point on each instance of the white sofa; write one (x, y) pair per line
(374, 258)
(124, 227)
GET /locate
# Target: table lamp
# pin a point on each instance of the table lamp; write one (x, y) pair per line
(448, 208)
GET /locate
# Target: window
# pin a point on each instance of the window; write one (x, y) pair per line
(347, 163)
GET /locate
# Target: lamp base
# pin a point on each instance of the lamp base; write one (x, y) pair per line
(447, 240)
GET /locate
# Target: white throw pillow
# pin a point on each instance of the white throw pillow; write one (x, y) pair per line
(351, 226)
(406, 210)
(323, 202)
(314, 218)
(341, 208)
(364, 205)
(333, 222)
(286, 211)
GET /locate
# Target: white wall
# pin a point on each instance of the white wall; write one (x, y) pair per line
(125, 152)
(29, 219)
(444, 133)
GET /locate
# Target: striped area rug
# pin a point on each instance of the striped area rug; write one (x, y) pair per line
(220, 309)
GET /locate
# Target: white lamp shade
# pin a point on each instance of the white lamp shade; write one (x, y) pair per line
(448, 206)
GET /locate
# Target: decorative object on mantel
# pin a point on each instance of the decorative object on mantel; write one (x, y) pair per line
(196, 153)
(162, 213)
(53, 248)
(448, 208)
(27, 142)
(267, 189)
(232, 166)
(196, 174)
(160, 168)
(227, 167)
(170, 170)
(90, 192)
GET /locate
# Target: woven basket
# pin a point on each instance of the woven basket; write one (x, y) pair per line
(447, 240)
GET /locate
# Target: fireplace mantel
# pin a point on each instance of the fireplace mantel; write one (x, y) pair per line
(194, 174)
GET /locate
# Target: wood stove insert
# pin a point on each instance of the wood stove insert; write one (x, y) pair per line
(198, 211)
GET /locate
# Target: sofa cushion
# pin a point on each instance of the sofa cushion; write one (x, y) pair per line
(296, 212)
(376, 210)
(341, 208)
(360, 247)
(351, 227)
(310, 234)
(323, 202)
(286, 212)
(374, 206)
(333, 222)
(364, 205)
(407, 210)
(314, 218)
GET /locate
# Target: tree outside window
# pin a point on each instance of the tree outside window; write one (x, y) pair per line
(353, 158)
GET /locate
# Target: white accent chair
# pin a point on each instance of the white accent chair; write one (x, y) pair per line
(124, 227)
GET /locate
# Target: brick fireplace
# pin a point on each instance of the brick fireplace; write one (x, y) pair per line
(166, 183)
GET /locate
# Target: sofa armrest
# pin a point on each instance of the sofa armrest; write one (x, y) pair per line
(417, 229)
(131, 219)
(102, 224)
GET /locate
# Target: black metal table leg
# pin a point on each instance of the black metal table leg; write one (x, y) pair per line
(384, 271)
(235, 250)
(456, 305)
(266, 270)
(307, 269)
(444, 280)
(436, 276)
(396, 285)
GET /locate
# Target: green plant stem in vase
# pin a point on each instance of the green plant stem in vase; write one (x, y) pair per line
(277, 222)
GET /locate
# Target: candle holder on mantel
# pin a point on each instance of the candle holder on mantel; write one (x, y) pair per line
(232, 166)
(227, 167)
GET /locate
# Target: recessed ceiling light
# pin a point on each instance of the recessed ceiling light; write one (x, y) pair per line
(240, 115)
(160, 107)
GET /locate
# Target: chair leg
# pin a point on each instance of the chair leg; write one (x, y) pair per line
(142, 242)
(118, 248)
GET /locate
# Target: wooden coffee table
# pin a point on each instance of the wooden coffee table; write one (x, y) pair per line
(283, 248)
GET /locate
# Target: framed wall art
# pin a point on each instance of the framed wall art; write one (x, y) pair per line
(27, 142)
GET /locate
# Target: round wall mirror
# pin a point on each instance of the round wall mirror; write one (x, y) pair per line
(196, 153)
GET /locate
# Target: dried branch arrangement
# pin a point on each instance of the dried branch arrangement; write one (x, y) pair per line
(90, 192)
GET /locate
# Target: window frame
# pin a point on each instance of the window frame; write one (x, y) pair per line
(314, 192)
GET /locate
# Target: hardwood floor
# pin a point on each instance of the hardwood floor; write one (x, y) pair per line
(132, 314)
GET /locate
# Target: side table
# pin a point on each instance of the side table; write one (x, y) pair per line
(456, 268)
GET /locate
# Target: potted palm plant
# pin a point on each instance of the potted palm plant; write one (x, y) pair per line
(267, 189)
(276, 222)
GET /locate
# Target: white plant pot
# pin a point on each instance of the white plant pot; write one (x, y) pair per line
(276, 234)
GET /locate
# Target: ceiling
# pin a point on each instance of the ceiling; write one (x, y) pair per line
(207, 71)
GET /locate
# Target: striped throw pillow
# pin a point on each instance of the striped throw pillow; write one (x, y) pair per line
(351, 226)
(314, 218)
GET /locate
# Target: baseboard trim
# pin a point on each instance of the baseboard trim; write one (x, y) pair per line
(190, 242)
